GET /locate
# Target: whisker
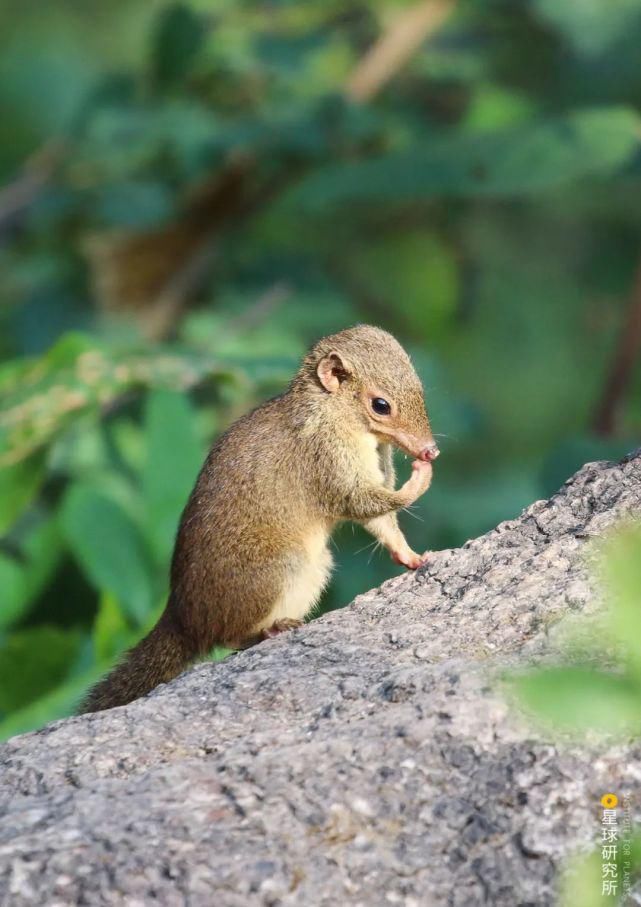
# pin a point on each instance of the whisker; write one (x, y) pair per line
(412, 514)
(377, 545)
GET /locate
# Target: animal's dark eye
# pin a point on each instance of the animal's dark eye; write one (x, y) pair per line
(381, 406)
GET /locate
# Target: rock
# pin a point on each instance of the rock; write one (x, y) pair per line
(369, 758)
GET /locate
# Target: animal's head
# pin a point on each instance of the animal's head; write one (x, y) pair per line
(370, 375)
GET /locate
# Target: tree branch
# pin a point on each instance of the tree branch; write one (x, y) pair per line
(37, 171)
(395, 47)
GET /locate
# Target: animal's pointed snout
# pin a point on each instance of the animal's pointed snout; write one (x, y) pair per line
(430, 452)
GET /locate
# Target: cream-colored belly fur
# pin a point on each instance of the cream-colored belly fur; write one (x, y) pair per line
(305, 582)
(308, 578)
(369, 457)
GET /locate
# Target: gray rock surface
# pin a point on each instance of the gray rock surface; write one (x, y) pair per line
(366, 759)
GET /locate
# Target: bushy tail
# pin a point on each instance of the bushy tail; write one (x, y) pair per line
(157, 658)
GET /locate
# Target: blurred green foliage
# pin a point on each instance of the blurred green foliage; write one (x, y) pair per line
(583, 697)
(598, 692)
(484, 205)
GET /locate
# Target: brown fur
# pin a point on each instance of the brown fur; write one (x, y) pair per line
(251, 548)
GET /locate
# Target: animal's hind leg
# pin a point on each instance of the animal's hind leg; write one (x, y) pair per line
(282, 625)
(262, 590)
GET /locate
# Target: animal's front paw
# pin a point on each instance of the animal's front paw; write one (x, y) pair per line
(417, 484)
(409, 559)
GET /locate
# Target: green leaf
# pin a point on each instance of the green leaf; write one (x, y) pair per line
(621, 567)
(522, 160)
(591, 25)
(33, 661)
(174, 456)
(179, 36)
(42, 550)
(19, 484)
(579, 699)
(109, 548)
(25, 572)
(40, 398)
(111, 633)
(58, 703)
(580, 883)
(13, 582)
(494, 107)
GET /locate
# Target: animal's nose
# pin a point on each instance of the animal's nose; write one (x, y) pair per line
(430, 452)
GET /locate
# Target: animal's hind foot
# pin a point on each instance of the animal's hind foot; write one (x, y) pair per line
(281, 626)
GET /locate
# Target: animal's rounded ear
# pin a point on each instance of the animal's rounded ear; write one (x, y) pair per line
(332, 370)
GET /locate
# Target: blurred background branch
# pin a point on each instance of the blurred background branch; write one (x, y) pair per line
(409, 29)
(37, 171)
(155, 273)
